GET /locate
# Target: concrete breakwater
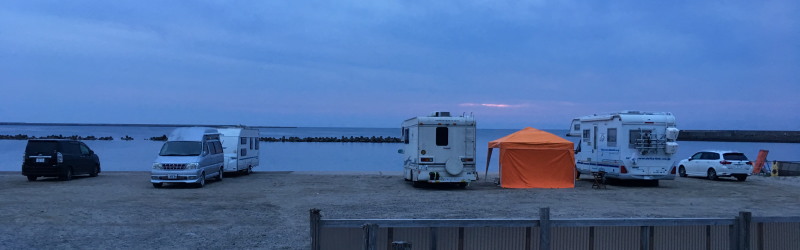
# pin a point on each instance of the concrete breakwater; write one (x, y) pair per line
(740, 136)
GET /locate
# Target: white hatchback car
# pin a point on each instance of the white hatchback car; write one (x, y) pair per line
(714, 163)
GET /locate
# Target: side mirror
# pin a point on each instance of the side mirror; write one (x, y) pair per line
(401, 151)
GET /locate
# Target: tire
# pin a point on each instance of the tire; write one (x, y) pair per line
(219, 177)
(95, 171)
(202, 180)
(249, 170)
(712, 174)
(67, 175)
(741, 177)
(682, 171)
(463, 185)
(31, 178)
(158, 185)
(577, 174)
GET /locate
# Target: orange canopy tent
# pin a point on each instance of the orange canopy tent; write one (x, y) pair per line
(531, 158)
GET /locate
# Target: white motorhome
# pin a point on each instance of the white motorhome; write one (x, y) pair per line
(439, 149)
(241, 147)
(627, 145)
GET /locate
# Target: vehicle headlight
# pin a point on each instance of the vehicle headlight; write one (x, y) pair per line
(157, 166)
(192, 165)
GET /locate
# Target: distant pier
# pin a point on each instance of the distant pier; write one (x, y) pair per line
(740, 136)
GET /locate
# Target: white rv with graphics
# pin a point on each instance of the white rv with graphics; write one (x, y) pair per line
(439, 149)
(629, 145)
(241, 149)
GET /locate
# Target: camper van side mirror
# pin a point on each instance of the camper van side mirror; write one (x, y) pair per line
(401, 151)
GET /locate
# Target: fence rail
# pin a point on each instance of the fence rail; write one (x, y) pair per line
(743, 232)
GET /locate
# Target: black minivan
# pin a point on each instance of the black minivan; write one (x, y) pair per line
(58, 158)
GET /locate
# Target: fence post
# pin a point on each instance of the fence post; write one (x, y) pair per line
(744, 230)
(370, 236)
(314, 218)
(544, 228)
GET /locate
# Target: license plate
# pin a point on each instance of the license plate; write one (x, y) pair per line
(39, 160)
(172, 176)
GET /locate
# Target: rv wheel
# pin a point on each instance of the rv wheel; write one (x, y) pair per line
(249, 170)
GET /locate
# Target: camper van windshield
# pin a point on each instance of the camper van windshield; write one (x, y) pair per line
(181, 148)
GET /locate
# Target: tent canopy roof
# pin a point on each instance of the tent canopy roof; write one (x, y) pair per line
(531, 138)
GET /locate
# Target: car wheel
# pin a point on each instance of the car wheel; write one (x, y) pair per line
(741, 177)
(219, 177)
(202, 181)
(712, 174)
(95, 171)
(682, 171)
(158, 185)
(67, 175)
(31, 178)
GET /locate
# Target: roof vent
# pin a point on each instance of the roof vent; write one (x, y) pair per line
(440, 114)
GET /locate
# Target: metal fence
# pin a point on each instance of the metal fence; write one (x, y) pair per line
(743, 232)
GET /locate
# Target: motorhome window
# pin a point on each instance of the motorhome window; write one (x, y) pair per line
(244, 140)
(586, 136)
(258, 143)
(612, 137)
(243, 152)
(405, 135)
(642, 137)
(251, 143)
(577, 127)
(181, 148)
(734, 156)
(441, 136)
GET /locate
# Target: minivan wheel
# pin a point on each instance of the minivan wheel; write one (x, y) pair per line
(95, 171)
(202, 181)
(68, 175)
(31, 177)
(219, 177)
(712, 174)
(682, 171)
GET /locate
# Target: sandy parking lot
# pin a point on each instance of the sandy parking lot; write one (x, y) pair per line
(270, 209)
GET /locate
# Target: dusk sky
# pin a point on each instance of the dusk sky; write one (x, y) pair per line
(714, 64)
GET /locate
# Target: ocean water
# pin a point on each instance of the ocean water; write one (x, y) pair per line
(138, 154)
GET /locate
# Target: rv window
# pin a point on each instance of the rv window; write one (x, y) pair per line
(642, 137)
(586, 136)
(577, 127)
(441, 136)
(612, 137)
(258, 143)
(243, 152)
(405, 135)
(244, 140)
(251, 143)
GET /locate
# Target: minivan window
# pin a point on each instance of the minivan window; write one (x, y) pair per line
(41, 147)
(72, 148)
(84, 150)
(181, 148)
(734, 157)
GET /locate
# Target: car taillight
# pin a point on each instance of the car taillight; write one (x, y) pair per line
(426, 159)
(749, 163)
(623, 170)
(724, 162)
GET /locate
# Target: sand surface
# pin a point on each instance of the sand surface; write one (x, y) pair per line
(269, 210)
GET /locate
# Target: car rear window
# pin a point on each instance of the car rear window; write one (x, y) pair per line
(734, 157)
(41, 147)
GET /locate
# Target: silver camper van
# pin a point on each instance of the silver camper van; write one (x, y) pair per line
(439, 148)
(190, 155)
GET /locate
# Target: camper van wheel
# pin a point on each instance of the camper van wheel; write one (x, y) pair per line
(249, 170)
(219, 176)
(202, 181)
(712, 174)
(682, 171)
(158, 185)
